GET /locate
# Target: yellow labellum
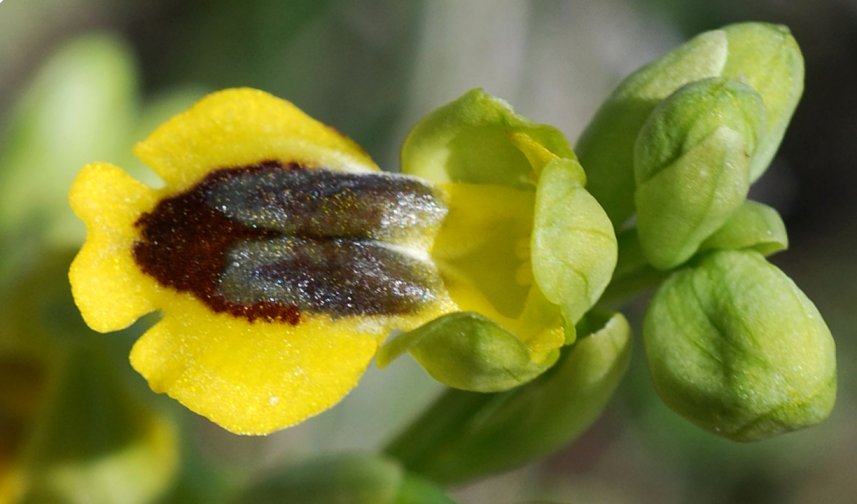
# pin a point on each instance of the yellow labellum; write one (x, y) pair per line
(251, 375)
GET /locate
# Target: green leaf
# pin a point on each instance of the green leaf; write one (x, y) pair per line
(753, 226)
(469, 141)
(691, 165)
(734, 346)
(465, 435)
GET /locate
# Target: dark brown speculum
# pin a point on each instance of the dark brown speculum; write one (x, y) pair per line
(275, 240)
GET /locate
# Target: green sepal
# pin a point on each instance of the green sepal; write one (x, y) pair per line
(350, 478)
(691, 165)
(467, 351)
(573, 246)
(466, 435)
(469, 141)
(753, 226)
(734, 346)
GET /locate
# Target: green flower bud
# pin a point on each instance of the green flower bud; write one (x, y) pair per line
(768, 59)
(466, 435)
(764, 56)
(734, 346)
(692, 164)
(753, 226)
(606, 146)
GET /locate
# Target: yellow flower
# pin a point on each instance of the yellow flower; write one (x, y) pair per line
(279, 256)
(252, 350)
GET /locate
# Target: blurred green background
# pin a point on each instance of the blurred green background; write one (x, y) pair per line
(82, 80)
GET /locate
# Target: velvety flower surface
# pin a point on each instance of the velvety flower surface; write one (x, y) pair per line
(233, 343)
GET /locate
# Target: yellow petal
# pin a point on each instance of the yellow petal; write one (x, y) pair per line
(240, 127)
(109, 289)
(253, 377)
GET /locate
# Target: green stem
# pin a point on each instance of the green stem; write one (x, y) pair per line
(446, 414)
(629, 286)
(633, 274)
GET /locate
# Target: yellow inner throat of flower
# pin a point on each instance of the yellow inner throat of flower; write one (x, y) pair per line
(482, 249)
(272, 241)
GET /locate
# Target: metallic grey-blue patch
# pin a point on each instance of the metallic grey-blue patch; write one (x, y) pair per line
(322, 203)
(315, 240)
(337, 276)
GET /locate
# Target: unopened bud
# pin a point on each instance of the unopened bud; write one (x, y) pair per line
(734, 346)
(764, 56)
(692, 164)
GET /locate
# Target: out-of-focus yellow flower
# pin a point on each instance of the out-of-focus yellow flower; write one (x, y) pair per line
(254, 189)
